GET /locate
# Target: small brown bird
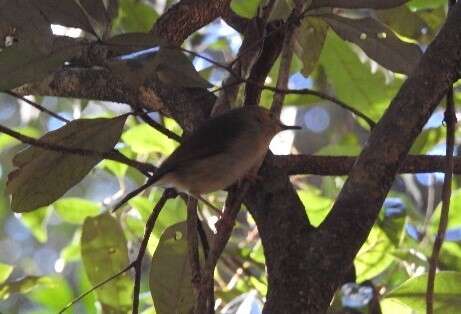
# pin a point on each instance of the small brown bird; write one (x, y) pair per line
(218, 153)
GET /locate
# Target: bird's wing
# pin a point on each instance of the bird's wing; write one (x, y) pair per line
(212, 138)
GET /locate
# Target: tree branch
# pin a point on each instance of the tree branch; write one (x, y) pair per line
(342, 165)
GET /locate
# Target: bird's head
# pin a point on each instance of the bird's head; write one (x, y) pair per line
(270, 123)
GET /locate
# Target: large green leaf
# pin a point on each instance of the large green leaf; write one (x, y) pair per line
(357, 4)
(353, 81)
(377, 41)
(447, 293)
(309, 40)
(374, 256)
(454, 216)
(43, 176)
(75, 210)
(104, 253)
(170, 274)
(404, 21)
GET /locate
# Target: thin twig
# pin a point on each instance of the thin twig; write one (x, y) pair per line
(112, 155)
(102, 283)
(285, 64)
(37, 106)
(142, 250)
(192, 242)
(450, 120)
(224, 227)
(170, 134)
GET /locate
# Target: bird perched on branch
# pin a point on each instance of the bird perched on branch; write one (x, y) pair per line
(218, 153)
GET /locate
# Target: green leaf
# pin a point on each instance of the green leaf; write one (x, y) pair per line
(144, 139)
(5, 271)
(75, 210)
(104, 253)
(373, 258)
(309, 40)
(317, 206)
(60, 171)
(281, 10)
(454, 217)
(245, 8)
(403, 21)
(54, 294)
(377, 41)
(447, 293)
(23, 286)
(135, 16)
(37, 222)
(347, 145)
(170, 277)
(353, 81)
(426, 4)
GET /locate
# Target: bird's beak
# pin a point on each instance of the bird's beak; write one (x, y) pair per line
(289, 127)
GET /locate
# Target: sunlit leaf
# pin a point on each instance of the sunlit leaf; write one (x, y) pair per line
(426, 4)
(404, 21)
(317, 206)
(245, 8)
(373, 258)
(60, 171)
(5, 271)
(447, 293)
(377, 41)
(75, 210)
(170, 278)
(104, 253)
(54, 294)
(144, 139)
(454, 217)
(36, 222)
(353, 81)
(135, 16)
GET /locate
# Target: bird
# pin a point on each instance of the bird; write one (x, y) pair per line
(218, 153)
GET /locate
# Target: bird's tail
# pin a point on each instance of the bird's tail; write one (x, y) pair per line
(135, 192)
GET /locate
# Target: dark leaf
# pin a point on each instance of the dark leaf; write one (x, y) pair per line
(310, 38)
(23, 63)
(377, 41)
(97, 10)
(65, 12)
(104, 253)
(170, 277)
(357, 4)
(43, 176)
